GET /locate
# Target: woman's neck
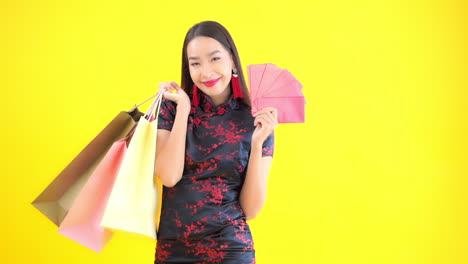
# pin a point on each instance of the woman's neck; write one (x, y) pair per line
(223, 97)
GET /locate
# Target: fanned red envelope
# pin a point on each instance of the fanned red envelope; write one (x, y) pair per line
(271, 86)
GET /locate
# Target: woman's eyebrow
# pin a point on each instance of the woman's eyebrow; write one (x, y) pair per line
(209, 54)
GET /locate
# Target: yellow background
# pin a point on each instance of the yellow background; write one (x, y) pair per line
(377, 174)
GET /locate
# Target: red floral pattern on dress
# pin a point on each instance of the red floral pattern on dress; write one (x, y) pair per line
(201, 219)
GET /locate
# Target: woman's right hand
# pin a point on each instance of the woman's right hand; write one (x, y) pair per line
(176, 94)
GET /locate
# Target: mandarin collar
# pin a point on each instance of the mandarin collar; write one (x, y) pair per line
(207, 106)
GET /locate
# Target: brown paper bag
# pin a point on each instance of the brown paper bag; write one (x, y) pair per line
(55, 201)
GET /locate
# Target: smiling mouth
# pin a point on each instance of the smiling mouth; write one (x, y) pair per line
(211, 83)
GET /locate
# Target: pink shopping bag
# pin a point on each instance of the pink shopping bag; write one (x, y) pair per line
(82, 223)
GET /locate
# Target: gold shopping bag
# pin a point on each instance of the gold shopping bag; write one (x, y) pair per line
(55, 201)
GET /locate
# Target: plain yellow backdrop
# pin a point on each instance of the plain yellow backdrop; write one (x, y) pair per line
(377, 174)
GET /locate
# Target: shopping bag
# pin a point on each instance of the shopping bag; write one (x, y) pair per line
(133, 201)
(82, 223)
(55, 201)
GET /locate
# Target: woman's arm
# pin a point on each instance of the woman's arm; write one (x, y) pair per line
(253, 194)
(170, 145)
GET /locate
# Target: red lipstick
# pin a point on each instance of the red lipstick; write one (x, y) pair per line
(211, 83)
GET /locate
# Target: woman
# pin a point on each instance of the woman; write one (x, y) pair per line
(212, 156)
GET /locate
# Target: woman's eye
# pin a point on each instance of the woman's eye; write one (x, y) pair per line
(216, 58)
(194, 64)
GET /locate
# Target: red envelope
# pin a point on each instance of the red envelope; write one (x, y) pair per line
(271, 86)
(290, 109)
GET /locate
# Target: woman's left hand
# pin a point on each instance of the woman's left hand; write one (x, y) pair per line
(266, 120)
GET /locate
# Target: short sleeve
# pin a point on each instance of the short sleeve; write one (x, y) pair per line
(268, 146)
(166, 115)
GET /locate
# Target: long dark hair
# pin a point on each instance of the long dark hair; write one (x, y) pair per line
(216, 31)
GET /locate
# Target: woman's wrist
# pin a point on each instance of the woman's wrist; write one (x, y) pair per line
(256, 146)
(183, 108)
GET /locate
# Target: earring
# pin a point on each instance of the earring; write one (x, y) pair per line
(236, 88)
(195, 98)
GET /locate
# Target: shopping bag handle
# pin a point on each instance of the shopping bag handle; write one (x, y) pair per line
(155, 105)
(140, 104)
(147, 115)
(155, 112)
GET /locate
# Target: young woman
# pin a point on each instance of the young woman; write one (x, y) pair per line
(213, 156)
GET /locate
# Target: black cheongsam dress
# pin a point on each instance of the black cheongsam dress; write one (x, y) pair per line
(201, 217)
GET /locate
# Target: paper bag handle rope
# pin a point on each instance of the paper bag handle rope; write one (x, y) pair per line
(140, 104)
(147, 115)
(155, 105)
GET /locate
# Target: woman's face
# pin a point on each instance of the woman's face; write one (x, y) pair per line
(210, 67)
